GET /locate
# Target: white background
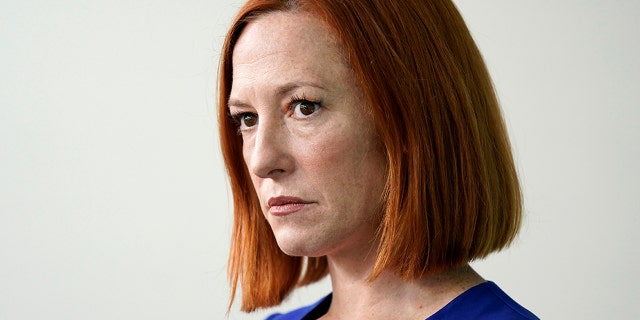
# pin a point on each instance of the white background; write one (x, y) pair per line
(114, 201)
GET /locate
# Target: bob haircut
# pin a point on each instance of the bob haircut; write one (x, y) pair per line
(451, 195)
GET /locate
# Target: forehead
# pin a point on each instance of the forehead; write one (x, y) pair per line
(282, 44)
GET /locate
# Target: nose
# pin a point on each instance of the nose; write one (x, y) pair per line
(268, 155)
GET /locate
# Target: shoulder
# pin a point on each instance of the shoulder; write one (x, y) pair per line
(484, 301)
(312, 311)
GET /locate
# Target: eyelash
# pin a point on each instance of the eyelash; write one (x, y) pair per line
(237, 119)
(295, 100)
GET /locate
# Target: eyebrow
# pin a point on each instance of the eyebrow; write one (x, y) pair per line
(280, 91)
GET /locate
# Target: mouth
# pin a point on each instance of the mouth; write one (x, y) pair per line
(282, 206)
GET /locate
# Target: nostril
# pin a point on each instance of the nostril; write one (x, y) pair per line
(275, 172)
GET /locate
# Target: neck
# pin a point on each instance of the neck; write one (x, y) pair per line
(388, 296)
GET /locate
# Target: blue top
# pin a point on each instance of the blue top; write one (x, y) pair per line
(485, 301)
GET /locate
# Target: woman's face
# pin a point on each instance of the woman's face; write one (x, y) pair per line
(308, 142)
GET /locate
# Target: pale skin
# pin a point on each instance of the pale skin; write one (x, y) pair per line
(318, 166)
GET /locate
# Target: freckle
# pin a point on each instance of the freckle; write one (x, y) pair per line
(420, 307)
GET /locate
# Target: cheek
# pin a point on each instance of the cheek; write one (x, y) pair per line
(324, 157)
(245, 154)
(341, 159)
(246, 157)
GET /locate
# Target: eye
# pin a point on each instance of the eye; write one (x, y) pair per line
(303, 108)
(245, 120)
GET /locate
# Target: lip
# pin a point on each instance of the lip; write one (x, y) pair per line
(283, 205)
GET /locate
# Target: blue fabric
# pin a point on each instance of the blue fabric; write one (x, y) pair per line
(485, 301)
(313, 311)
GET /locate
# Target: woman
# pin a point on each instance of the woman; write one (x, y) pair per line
(363, 140)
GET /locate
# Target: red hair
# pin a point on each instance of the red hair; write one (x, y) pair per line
(452, 194)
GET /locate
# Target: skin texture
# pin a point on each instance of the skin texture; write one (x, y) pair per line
(307, 134)
(330, 159)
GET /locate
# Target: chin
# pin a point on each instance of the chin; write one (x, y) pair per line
(297, 249)
(301, 246)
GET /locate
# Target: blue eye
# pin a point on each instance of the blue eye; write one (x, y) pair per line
(304, 108)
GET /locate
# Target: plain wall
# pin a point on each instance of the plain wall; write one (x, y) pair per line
(114, 201)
